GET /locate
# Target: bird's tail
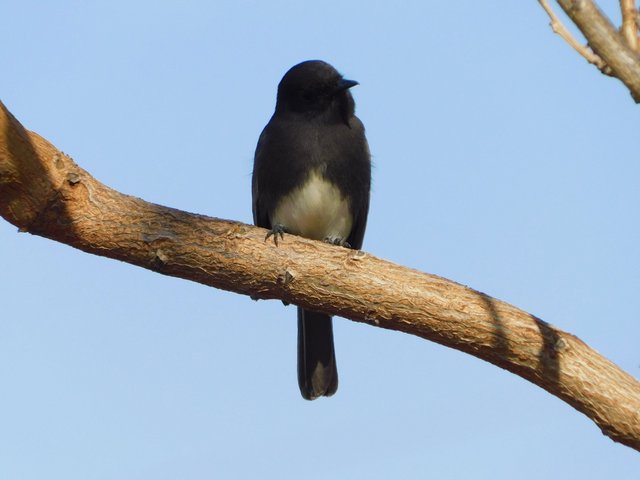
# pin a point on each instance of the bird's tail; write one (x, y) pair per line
(317, 373)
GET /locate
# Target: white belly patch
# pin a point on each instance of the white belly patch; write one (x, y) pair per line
(316, 210)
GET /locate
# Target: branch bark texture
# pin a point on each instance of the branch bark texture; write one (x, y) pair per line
(42, 191)
(606, 42)
(629, 27)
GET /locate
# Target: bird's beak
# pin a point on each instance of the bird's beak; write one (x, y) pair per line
(345, 84)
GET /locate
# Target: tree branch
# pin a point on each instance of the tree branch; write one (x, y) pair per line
(606, 42)
(44, 192)
(558, 27)
(629, 26)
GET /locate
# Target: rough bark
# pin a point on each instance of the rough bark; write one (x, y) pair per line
(606, 42)
(42, 191)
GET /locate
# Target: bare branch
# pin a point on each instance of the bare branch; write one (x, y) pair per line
(629, 26)
(606, 42)
(44, 192)
(558, 27)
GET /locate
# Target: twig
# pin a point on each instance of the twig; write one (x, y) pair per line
(558, 27)
(629, 25)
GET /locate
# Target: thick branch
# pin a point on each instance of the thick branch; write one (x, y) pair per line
(606, 42)
(44, 192)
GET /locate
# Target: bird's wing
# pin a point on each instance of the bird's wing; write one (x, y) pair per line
(260, 216)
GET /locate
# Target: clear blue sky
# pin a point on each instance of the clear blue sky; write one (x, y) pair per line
(502, 161)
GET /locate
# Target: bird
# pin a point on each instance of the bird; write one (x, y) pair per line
(312, 178)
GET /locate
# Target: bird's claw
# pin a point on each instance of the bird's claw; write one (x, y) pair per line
(335, 240)
(275, 231)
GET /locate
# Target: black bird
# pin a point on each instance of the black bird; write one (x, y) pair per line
(311, 177)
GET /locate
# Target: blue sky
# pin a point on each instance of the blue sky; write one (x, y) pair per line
(502, 161)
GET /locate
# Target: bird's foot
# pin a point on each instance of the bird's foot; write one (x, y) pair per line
(276, 230)
(335, 240)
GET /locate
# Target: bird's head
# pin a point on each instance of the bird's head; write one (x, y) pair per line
(315, 88)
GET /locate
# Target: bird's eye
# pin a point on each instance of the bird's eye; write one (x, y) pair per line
(308, 95)
(316, 92)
